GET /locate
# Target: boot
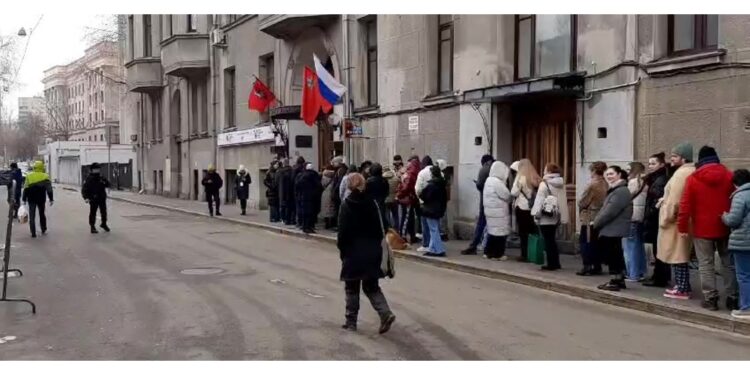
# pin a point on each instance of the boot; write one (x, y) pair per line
(218, 213)
(105, 227)
(93, 230)
(386, 322)
(711, 304)
(733, 303)
(349, 326)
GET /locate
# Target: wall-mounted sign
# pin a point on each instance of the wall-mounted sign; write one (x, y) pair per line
(413, 123)
(247, 136)
(353, 128)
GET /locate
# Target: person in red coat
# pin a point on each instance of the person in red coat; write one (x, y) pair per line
(706, 197)
(407, 198)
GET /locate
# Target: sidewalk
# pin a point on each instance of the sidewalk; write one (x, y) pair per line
(636, 297)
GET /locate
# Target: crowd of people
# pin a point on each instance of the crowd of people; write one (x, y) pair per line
(678, 207)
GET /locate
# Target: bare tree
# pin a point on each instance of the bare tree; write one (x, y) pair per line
(27, 136)
(59, 117)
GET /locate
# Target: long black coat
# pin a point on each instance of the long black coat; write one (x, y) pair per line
(95, 188)
(242, 186)
(359, 238)
(656, 181)
(309, 189)
(212, 182)
(285, 184)
(272, 192)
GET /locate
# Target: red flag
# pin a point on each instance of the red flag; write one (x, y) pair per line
(311, 100)
(261, 97)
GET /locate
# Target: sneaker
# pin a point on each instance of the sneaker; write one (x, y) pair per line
(33, 235)
(503, 258)
(105, 227)
(94, 231)
(469, 251)
(677, 295)
(219, 214)
(423, 249)
(385, 324)
(741, 314)
(711, 304)
(431, 254)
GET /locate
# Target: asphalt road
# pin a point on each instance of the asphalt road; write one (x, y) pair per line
(122, 295)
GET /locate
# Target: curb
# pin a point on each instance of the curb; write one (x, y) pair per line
(590, 293)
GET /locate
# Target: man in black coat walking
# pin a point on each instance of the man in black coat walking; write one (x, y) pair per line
(213, 183)
(94, 192)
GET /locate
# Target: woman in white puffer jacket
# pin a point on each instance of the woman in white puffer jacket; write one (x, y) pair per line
(496, 198)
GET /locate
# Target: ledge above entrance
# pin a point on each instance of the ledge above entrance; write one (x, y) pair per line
(568, 84)
(288, 112)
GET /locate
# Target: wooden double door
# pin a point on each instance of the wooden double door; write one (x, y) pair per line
(544, 131)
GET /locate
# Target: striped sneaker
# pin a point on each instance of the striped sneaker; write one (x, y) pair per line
(675, 294)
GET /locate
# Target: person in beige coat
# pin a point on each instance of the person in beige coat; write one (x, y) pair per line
(673, 248)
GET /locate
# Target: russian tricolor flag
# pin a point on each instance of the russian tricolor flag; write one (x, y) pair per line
(330, 89)
(320, 91)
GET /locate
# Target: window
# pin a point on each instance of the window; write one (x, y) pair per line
(90, 119)
(102, 114)
(156, 118)
(96, 116)
(131, 41)
(101, 96)
(544, 45)
(192, 22)
(692, 33)
(445, 53)
(266, 70)
(371, 28)
(230, 102)
(168, 21)
(147, 35)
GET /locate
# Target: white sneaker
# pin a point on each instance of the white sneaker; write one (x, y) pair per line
(504, 258)
(741, 314)
(422, 249)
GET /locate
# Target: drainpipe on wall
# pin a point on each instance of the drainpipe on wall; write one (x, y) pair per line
(212, 61)
(347, 94)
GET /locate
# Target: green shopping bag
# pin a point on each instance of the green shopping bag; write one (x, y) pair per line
(535, 249)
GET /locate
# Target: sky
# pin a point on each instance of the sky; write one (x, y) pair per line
(57, 40)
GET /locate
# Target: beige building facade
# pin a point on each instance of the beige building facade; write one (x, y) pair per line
(564, 89)
(82, 99)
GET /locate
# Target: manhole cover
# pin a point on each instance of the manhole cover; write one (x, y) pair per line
(202, 271)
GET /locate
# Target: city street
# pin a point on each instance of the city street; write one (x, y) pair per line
(122, 295)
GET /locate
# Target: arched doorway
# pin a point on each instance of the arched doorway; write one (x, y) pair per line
(316, 144)
(175, 121)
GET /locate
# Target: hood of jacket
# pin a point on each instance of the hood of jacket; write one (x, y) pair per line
(241, 169)
(554, 180)
(39, 166)
(499, 170)
(712, 174)
(745, 187)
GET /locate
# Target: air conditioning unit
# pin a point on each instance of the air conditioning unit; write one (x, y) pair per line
(218, 39)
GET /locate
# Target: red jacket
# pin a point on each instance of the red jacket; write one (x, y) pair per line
(406, 193)
(705, 198)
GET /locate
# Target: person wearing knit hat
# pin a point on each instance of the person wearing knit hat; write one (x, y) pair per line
(707, 196)
(480, 228)
(682, 151)
(673, 247)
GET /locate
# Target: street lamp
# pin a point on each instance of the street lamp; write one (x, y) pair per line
(22, 32)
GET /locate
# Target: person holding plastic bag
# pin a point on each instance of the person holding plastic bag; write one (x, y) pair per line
(36, 190)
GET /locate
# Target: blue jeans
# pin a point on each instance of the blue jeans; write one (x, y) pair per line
(426, 232)
(635, 252)
(432, 231)
(742, 267)
(479, 230)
